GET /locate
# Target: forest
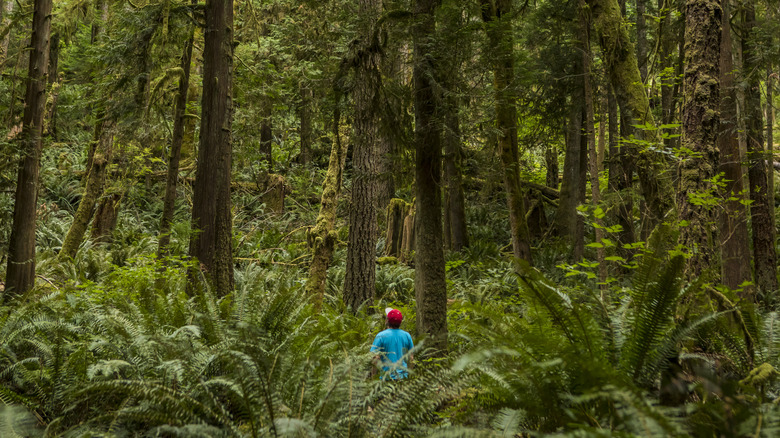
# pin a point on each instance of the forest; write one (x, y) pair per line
(208, 206)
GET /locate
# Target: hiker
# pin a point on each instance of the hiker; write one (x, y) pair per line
(390, 345)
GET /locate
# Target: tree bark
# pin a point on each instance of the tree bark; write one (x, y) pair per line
(734, 250)
(429, 281)
(20, 272)
(177, 138)
(641, 38)
(620, 181)
(496, 14)
(322, 238)
(211, 241)
(566, 222)
(266, 134)
(304, 112)
(696, 198)
(360, 277)
(396, 213)
(762, 206)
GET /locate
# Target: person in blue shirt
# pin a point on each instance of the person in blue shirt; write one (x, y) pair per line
(391, 345)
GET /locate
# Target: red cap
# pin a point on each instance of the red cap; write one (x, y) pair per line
(394, 317)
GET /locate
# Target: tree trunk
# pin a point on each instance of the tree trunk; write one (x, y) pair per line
(770, 123)
(360, 277)
(429, 281)
(397, 211)
(551, 164)
(497, 15)
(177, 138)
(641, 38)
(106, 216)
(211, 241)
(734, 250)
(322, 238)
(20, 272)
(566, 221)
(762, 206)
(96, 176)
(696, 199)
(619, 181)
(304, 112)
(407, 241)
(266, 134)
(621, 63)
(591, 138)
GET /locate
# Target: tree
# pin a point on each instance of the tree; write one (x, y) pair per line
(735, 250)
(429, 281)
(211, 241)
(361, 253)
(497, 14)
(762, 206)
(696, 198)
(20, 274)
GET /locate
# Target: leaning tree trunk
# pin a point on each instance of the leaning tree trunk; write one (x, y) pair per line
(622, 67)
(211, 242)
(96, 177)
(696, 198)
(762, 206)
(499, 30)
(177, 139)
(429, 281)
(360, 276)
(20, 273)
(322, 238)
(734, 247)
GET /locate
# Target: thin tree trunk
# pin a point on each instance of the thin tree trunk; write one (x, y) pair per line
(266, 134)
(619, 181)
(360, 276)
(20, 272)
(50, 127)
(169, 200)
(322, 238)
(591, 135)
(696, 199)
(762, 206)
(304, 112)
(96, 176)
(211, 242)
(770, 123)
(551, 164)
(499, 30)
(641, 38)
(566, 221)
(429, 281)
(734, 250)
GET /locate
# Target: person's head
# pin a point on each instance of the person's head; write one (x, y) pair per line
(394, 317)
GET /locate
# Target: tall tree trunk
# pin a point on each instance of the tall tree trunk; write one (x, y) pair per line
(20, 272)
(591, 138)
(211, 243)
(96, 176)
(169, 200)
(305, 113)
(762, 207)
(620, 180)
(770, 123)
(696, 198)
(429, 281)
(497, 15)
(567, 223)
(621, 63)
(360, 277)
(734, 249)
(266, 133)
(667, 77)
(641, 38)
(322, 238)
(50, 127)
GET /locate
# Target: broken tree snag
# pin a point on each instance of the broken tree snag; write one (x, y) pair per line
(407, 241)
(322, 238)
(396, 213)
(273, 189)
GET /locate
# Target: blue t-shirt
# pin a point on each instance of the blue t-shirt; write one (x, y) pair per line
(392, 344)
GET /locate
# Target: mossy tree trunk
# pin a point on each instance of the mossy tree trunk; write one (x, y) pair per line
(360, 276)
(567, 221)
(762, 206)
(211, 241)
(621, 63)
(20, 272)
(497, 16)
(177, 138)
(322, 238)
(696, 198)
(619, 181)
(641, 37)
(429, 281)
(734, 249)
(96, 177)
